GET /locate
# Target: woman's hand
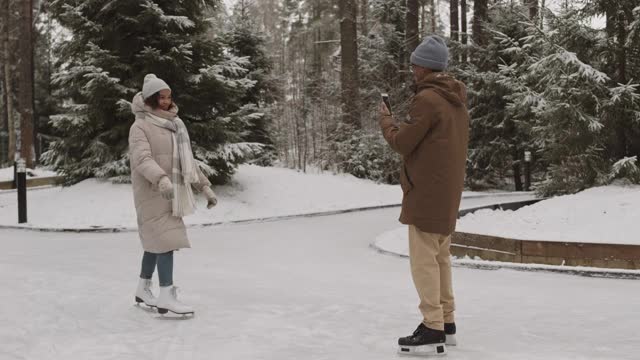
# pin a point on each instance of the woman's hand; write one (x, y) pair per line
(166, 188)
(211, 197)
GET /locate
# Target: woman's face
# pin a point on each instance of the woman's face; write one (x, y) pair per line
(164, 99)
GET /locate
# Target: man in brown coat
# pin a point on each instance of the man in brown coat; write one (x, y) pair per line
(433, 144)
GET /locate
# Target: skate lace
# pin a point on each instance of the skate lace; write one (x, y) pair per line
(147, 289)
(174, 292)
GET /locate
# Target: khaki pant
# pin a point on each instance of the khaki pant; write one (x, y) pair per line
(431, 270)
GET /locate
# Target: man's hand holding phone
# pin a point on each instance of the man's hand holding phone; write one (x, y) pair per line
(385, 106)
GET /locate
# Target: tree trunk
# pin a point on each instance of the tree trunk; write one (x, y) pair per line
(25, 66)
(3, 91)
(480, 15)
(517, 173)
(455, 28)
(349, 78)
(621, 51)
(364, 14)
(621, 74)
(463, 27)
(617, 34)
(413, 20)
(9, 72)
(533, 8)
(423, 20)
(434, 24)
(517, 176)
(4, 116)
(317, 56)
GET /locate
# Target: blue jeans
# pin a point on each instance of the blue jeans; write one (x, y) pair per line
(164, 263)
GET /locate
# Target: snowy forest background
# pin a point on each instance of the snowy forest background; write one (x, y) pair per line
(297, 83)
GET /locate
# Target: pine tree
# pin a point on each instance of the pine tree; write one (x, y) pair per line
(620, 60)
(480, 17)
(243, 40)
(349, 60)
(558, 99)
(412, 26)
(25, 82)
(4, 101)
(550, 90)
(383, 55)
(9, 35)
(45, 99)
(382, 51)
(496, 139)
(113, 45)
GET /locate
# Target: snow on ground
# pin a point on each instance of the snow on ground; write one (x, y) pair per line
(607, 214)
(308, 288)
(256, 192)
(6, 174)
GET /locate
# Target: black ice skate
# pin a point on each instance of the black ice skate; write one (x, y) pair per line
(423, 342)
(450, 332)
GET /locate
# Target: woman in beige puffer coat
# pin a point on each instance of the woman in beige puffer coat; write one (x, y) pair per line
(162, 172)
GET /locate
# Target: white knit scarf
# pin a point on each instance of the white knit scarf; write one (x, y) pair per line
(184, 171)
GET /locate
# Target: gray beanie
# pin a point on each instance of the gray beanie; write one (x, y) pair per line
(152, 84)
(431, 54)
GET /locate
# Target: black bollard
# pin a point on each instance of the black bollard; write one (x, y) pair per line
(21, 184)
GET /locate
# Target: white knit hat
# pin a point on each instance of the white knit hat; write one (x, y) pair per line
(152, 84)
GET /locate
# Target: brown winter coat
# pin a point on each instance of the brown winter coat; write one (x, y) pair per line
(151, 153)
(433, 143)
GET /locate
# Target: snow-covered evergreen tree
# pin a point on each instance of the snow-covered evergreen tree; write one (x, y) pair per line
(558, 99)
(634, 29)
(45, 102)
(113, 45)
(496, 139)
(383, 63)
(363, 154)
(619, 57)
(383, 69)
(545, 90)
(243, 39)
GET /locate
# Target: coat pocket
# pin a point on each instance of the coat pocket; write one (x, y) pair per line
(405, 180)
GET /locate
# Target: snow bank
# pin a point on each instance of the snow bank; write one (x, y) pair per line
(599, 215)
(256, 192)
(6, 174)
(606, 214)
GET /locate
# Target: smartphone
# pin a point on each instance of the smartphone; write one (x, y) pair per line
(385, 98)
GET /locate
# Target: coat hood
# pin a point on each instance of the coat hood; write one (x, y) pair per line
(446, 86)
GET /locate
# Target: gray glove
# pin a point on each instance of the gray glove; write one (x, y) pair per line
(166, 188)
(211, 197)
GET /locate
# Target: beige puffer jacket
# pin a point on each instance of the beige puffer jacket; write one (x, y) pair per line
(150, 150)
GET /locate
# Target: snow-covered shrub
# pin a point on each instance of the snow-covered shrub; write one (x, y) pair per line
(364, 155)
(626, 169)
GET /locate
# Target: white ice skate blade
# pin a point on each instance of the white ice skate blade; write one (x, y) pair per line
(423, 350)
(451, 340)
(146, 308)
(175, 316)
